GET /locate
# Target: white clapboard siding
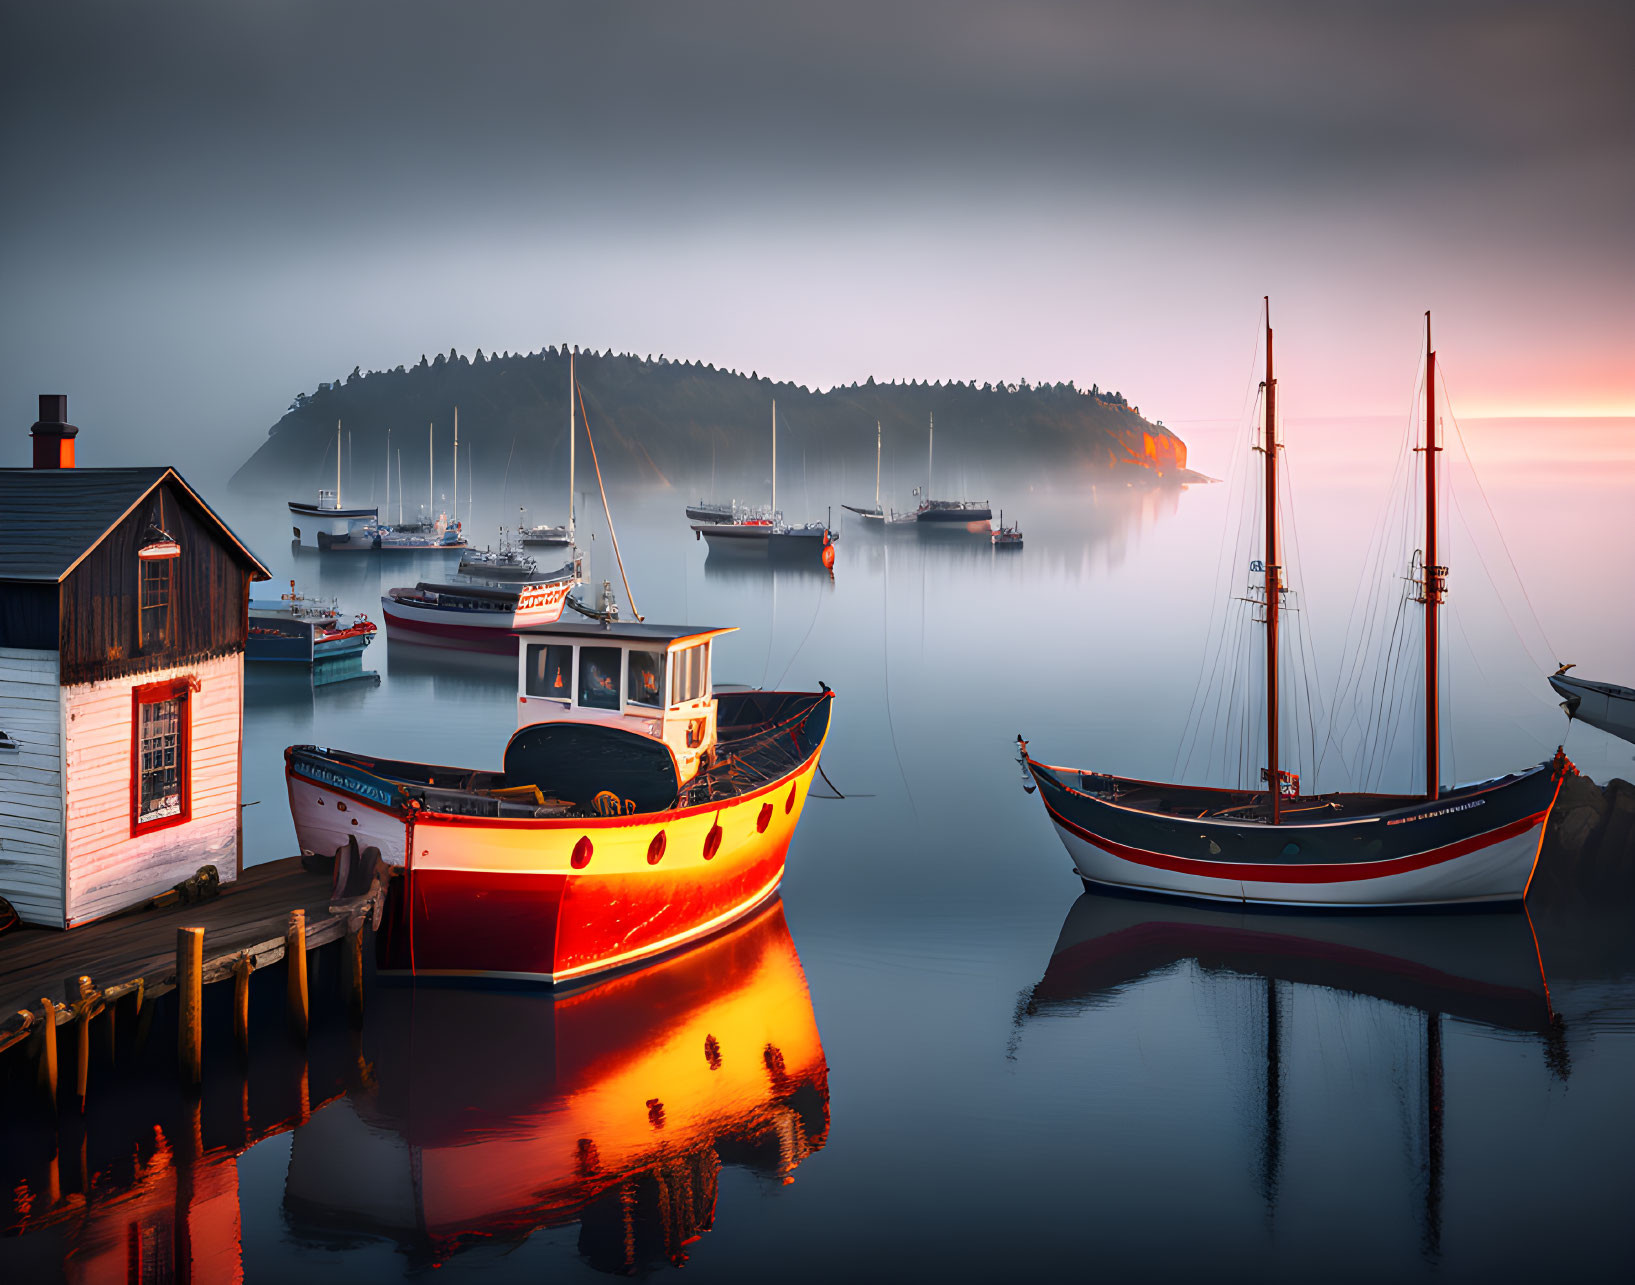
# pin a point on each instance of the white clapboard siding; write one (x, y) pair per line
(31, 844)
(108, 869)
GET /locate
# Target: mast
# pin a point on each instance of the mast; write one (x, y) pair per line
(572, 433)
(337, 464)
(877, 464)
(1435, 579)
(1274, 577)
(454, 490)
(774, 458)
(431, 473)
(400, 488)
(930, 455)
(388, 504)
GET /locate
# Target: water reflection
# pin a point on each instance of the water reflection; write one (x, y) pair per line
(497, 1113)
(1483, 969)
(454, 1116)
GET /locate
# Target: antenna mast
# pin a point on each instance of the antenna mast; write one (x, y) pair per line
(1274, 577)
(1435, 584)
(572, 433)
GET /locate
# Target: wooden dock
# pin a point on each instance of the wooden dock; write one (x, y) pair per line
(51, 978)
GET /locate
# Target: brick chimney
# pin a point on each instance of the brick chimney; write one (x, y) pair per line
(53, 435)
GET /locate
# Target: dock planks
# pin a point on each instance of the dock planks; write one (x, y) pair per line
(248, 916)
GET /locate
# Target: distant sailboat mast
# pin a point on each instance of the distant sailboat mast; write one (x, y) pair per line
(454, 490)
(400, 488)
(876, 466)
(930, 455)
(388, 505)
(774, 458)
(337, 464)
(431, 472)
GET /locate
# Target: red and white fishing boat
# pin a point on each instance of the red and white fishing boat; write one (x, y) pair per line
(637, 810)
(1470, 844)
(476, 616)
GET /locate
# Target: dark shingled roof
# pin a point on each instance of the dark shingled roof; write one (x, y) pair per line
(55, 517)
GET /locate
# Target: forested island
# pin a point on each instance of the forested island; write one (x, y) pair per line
(660, 421)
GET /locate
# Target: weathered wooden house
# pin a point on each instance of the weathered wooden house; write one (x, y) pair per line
(124, 604)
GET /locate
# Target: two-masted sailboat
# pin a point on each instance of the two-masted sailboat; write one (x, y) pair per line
(1471, 844)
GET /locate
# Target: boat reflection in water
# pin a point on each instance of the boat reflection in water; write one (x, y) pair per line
(1480, 968)
(501, 1112)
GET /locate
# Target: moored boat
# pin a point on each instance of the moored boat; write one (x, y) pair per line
(1474, 843)
(331, 525)
(1604, 705)
(763, 532)
(707, 511)
(485, 617)
(300, 630)
(1007, 537)
(946, 512)
(637, 810)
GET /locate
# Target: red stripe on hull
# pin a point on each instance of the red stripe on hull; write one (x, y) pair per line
(495, 638)
(1339, 872)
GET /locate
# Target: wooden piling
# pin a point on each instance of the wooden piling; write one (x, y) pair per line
(354, 972)
(82, 1054)
(190, 1004)
(48, 1052)
(241, 1001)
(295, 959)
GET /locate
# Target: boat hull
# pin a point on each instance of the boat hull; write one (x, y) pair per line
(553, 899)
(492, 631)
(1473, 846)
(750, 540)
(1602, 705)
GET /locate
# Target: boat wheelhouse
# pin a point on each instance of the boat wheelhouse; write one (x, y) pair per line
(1475, 843)
(636, 810)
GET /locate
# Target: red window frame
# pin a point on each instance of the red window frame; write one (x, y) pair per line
(179, 690)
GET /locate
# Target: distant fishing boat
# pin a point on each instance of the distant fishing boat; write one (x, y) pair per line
(1470, 844)
(503, 566)
(946, 511)
(1604, 705)
(1007, 537)
(705, 511)
(300, 630)
(332, 526)
(876, 514)
(557, 536)
(763, 532)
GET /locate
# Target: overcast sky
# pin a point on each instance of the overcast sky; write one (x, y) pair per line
(210, 207)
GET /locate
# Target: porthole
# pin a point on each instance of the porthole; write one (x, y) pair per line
(582, 851)
(1291, 849)
(764, 820)
(655, 849)
(712, 841)
(789, 802)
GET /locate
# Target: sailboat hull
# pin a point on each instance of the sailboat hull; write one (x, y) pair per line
(1477, 845)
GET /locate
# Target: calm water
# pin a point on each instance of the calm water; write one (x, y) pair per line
(937, 1056)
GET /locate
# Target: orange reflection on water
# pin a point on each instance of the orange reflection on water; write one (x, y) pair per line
(501, 1112)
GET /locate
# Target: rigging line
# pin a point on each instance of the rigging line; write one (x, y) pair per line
(817, 611)
(1481, 558)
(1464, 447)
(606, 512)
(1218, 609)
(505, 479)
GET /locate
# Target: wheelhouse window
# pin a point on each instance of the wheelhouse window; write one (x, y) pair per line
(161, 731)
(550, 670)
(691, 672)
(645, 685)
(155, 601)
(599, 677)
